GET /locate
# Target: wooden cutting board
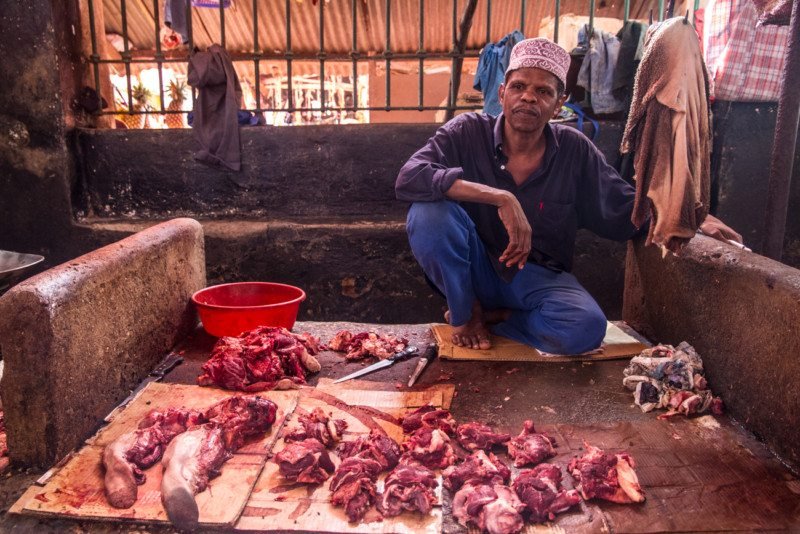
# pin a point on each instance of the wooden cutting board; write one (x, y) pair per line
(618, 344)
(276, 504)
(77, 490)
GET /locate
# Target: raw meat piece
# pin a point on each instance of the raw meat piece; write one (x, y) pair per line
(305, 461)
(530, 447)
(196, 456)
(492, 508)
(606, 476)
(540, 490)
(670, 377)
(364, 344)
(353, 486)
(430, 447)
(408, 487)
(126, 457)
(319, 426)
(377, 446)
(474, 436)
(478, 468)
(431, 416)
(3, 439)
(263, 358)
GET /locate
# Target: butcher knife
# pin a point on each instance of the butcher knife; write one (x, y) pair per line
(388, 362)
(427, 357)
(170, 362)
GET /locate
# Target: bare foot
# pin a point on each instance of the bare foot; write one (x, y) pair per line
(473, 334)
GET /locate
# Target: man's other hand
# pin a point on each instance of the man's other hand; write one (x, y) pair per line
(713, 227)
(519, 232)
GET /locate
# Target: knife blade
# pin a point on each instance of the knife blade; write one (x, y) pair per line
(170, 362)
(430, 354)
(388, 362)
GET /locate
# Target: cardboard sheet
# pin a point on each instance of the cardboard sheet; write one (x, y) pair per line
(276, 504)
(617, 345)
(77, 490)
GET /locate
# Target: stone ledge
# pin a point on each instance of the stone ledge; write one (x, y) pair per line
(78, 337)
(740, 310)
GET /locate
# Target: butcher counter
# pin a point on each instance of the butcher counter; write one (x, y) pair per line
(700, 474)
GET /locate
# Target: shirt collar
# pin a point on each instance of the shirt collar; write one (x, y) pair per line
(552, 141)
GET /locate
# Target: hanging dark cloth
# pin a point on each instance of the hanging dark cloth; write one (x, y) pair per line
(175, 17)
(216, 124)
(777, 12)
(631, 48)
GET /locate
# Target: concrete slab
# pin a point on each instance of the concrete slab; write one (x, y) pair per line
(77, 338)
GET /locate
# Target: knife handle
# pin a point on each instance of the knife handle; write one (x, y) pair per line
(404, 354)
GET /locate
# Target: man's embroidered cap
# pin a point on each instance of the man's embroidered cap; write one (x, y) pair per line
(540, 53)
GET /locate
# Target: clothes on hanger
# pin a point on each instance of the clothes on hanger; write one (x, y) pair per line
(492, 66)
(669, 133)
(216, 118)
(597, 71)
(175, 17)
(745, 60)
(631, 49)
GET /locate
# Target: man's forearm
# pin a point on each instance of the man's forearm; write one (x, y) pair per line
(465, 191)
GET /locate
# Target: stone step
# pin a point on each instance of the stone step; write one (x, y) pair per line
(351, 270)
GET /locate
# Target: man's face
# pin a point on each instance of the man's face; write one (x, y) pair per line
(530, 99)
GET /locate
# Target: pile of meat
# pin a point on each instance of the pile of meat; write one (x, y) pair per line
(483, 492)
(365, 344)
(670, 377)
(260, 359)
(194, 445)
(3, 439)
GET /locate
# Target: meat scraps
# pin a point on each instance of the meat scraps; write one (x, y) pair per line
(353, 486)
(477, 469)
(260, 359)
(430, 447)
(474, 436)
(540, 490)
(408, 487)
(196, 456)
(670, 377)
(530, 447)
(126, 457)
(431, 416)
(493, 508)
(376, 446)
(606, 476)
(305, 461)
(364, 344)
(319, 426)
(3, 439)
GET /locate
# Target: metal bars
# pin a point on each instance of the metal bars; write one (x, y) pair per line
(364, 19)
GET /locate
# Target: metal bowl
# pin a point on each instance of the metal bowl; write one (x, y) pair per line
(13, 264)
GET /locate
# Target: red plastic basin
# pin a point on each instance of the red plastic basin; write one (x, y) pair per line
(230, 309)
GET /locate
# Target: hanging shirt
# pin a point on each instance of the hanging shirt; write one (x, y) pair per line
(491, 72)
(597, 71)
(745, 60)
(573, 188)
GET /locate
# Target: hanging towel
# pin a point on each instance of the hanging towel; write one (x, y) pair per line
(216, 125)
(777, 12)
(492, 66)
(597, 71)
(669, 133)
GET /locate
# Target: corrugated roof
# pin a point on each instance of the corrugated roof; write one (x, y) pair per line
(338, 23)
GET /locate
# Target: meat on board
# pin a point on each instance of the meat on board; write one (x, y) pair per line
(318, 425)
(530, 447)
(474, 436)
(305, 461)
(408, 487)
(366, 344)
(606, 476)
(540, 491)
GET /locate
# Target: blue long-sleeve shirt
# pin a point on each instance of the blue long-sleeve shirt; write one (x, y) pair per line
(573, 188)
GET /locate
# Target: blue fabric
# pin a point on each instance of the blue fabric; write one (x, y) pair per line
(175, 17)
(491, 71)
(550, 310)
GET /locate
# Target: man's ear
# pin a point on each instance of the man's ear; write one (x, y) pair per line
(501, 91)
(559, 103)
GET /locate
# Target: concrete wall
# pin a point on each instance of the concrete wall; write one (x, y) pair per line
(741, 312)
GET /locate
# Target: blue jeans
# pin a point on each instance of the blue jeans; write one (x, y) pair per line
(550, 311)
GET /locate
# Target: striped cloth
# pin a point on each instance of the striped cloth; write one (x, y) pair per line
(745, 61)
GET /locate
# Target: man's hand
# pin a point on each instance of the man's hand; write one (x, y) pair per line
(510, 212)
(519, 232)
(713, 227)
